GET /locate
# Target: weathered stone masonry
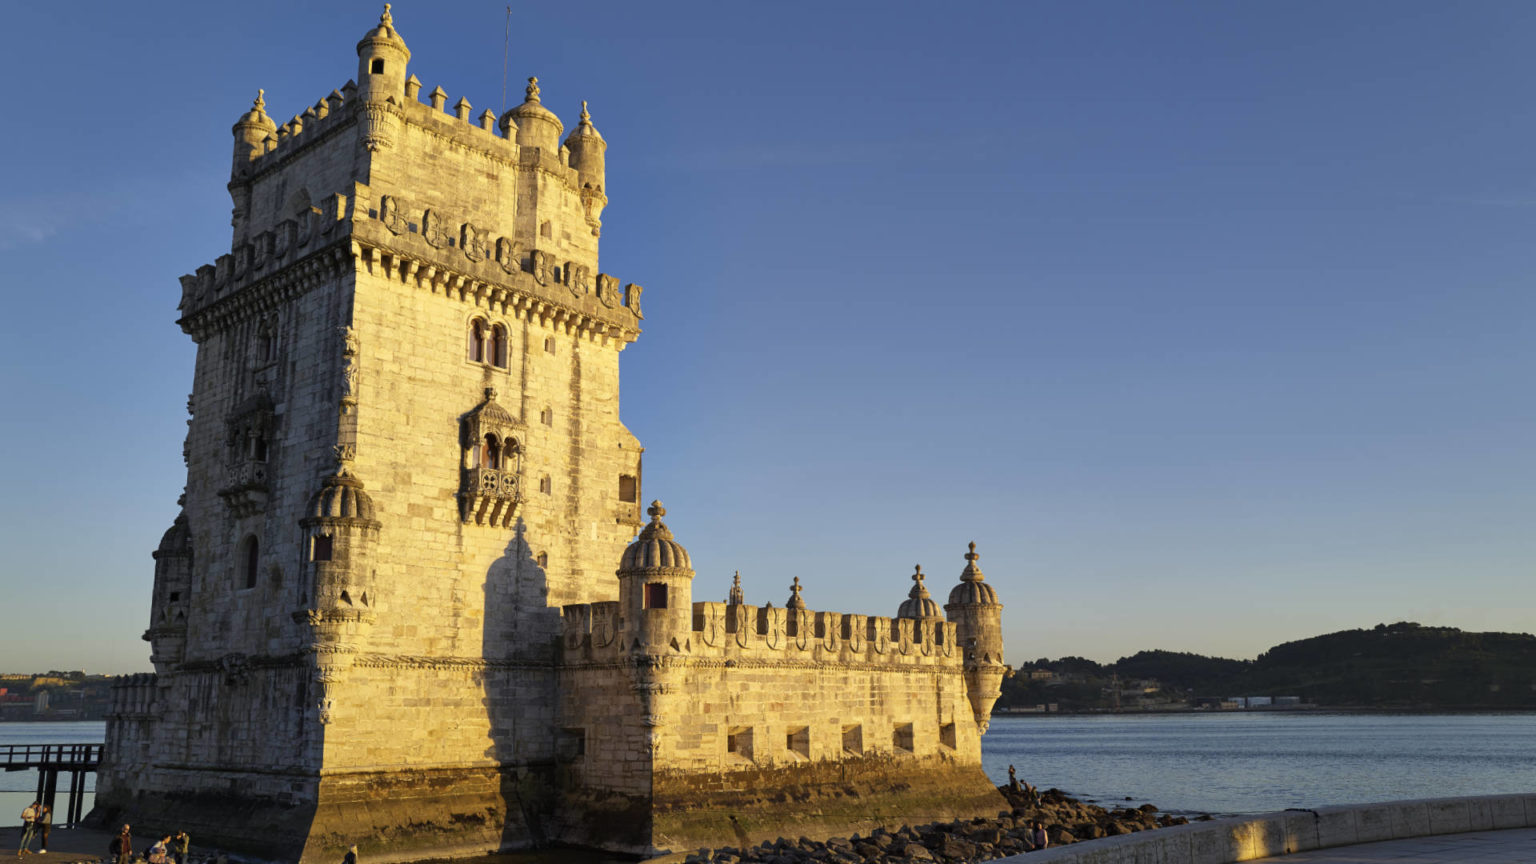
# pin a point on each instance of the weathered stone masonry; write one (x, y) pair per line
(387, 613)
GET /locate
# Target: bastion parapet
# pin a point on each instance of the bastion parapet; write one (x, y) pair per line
(410, 601)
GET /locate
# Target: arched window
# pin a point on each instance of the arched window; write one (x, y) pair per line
(499, 346)
(492, 452)
(250, 561)
(477, 341)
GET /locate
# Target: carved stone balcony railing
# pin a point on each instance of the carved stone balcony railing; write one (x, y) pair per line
(490, 496)
(245, 489)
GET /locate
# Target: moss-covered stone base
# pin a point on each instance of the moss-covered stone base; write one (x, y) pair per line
(816, 800)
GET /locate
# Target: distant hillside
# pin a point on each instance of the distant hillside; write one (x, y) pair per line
(1402, 665)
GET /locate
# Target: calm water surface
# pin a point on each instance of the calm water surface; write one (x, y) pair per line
(19, 788)
(1200, 763)
(1252, 763)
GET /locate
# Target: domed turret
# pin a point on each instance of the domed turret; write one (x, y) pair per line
(381, 76)
(167, 633)
(587, 157)
(795, 601)
(918, 604)
(536, 125)
(381, 61)
(978, 620)
(251, 132)
(656, 584)
(340, 531)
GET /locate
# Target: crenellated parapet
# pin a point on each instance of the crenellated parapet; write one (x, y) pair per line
(740, 633)
(134, 697)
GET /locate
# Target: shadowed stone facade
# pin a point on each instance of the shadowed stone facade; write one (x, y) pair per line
(400, 606)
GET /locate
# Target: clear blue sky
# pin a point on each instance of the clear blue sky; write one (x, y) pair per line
(1211, 323)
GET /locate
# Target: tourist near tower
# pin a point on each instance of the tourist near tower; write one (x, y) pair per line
(411, 600)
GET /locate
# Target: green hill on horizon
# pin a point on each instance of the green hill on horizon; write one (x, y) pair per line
(1403, 665)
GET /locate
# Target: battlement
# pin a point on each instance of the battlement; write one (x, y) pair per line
(133, 696)
(486, 132)
(738, 632)
(416, 246)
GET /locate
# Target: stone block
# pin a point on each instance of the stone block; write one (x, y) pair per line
(1336, 827)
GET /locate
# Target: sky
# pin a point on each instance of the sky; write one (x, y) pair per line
(1210, 323)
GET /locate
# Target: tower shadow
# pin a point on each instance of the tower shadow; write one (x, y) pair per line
(519, 644)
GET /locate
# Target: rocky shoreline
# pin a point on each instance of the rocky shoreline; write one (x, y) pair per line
(1066, 820)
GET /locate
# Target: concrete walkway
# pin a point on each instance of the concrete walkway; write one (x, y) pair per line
(1510, 846)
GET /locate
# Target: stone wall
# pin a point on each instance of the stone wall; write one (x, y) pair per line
(1245, 838)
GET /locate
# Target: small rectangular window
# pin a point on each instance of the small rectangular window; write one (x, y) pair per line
(549, 344)
(629, 489)
(738, 742)
(376, 67)
(947, 735)
(798, 740)
(655, 595)
(322, 548)
(853, 740)
(901, 737)
(175, 596)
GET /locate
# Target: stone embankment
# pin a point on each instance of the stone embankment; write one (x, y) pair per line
(1066, 820)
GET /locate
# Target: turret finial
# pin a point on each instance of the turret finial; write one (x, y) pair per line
(656, 511)
(795, 601)
(917, 574)
(736, 598)
(533, 88)
(972, 571)
(490, 394)
(386, 19)
(261, 103)
(585, 117)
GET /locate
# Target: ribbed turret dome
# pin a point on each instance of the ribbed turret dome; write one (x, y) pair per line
(655, 549)
(177, 539)
(490, 411)
(972, 590)
(918, 604)
(584, 128)
(384, 34)
(533, 109)
(341, 496)
(257, 116)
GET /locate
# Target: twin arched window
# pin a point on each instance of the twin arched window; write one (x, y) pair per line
(487, 343)
(492, 452)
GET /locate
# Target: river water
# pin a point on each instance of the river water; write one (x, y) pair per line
(1229, 762)
(1254, 762)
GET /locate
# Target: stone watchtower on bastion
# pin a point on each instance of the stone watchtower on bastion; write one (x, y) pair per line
(400, 606)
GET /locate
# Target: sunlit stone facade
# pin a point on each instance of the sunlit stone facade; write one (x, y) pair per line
(401, 606)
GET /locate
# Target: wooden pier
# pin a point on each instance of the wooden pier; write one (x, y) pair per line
(51, 760)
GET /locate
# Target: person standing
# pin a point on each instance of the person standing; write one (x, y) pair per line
(44, 821)
(1039, 838)
(350, 857)
(121, 848)
(180, 845)
(28, 828)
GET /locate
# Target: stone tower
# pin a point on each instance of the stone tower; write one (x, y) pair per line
(404, 455)
(400, 606)
(978, 619)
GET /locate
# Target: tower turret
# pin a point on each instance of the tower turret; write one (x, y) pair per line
(656, 585)
(381, 61)
(978, 620)
(537, 126)
(251, 132)
(919, 604)
(587, 157)
(167, 633)
(340, 532)
(381, 75)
